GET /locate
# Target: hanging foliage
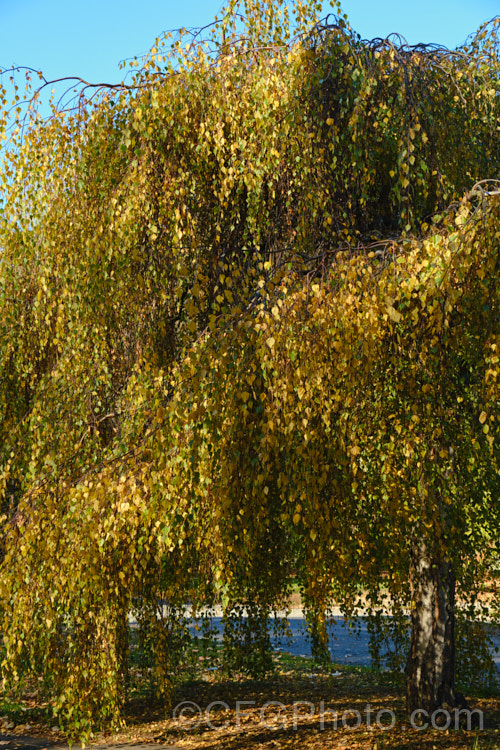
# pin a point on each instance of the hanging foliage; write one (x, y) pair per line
(244, 339)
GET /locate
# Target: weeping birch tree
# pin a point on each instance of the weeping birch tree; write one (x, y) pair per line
(249, 330)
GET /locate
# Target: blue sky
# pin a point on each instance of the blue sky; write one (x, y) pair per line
(88, 39)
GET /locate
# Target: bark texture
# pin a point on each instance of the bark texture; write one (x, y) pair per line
(430, 669)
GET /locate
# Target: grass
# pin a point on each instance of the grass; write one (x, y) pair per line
(305, 698)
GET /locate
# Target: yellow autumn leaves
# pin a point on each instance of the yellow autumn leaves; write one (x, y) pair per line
(216, 368)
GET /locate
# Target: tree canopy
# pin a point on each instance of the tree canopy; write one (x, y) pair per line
(250, 331)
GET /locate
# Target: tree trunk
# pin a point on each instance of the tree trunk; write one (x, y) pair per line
(430, 669)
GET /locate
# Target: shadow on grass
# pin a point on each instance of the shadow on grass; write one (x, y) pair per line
(353, 709)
